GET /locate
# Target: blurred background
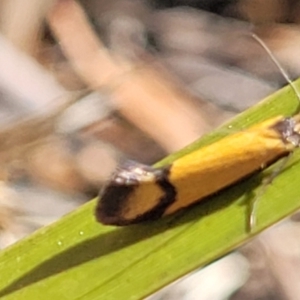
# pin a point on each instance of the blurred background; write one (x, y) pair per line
(86, 85)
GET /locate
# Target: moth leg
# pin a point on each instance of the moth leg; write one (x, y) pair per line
(266, 182)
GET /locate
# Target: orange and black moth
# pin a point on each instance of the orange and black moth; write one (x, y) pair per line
(138, 193)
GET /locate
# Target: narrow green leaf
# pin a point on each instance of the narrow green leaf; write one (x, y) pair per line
(77, 258)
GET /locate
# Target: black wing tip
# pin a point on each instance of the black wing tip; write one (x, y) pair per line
(113, 198)
(110, 206)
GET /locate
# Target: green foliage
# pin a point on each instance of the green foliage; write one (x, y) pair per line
(77, 258)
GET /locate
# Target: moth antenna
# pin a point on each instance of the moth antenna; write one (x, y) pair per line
(277, 63)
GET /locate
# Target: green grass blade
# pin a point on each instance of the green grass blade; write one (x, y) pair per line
(77, 258)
